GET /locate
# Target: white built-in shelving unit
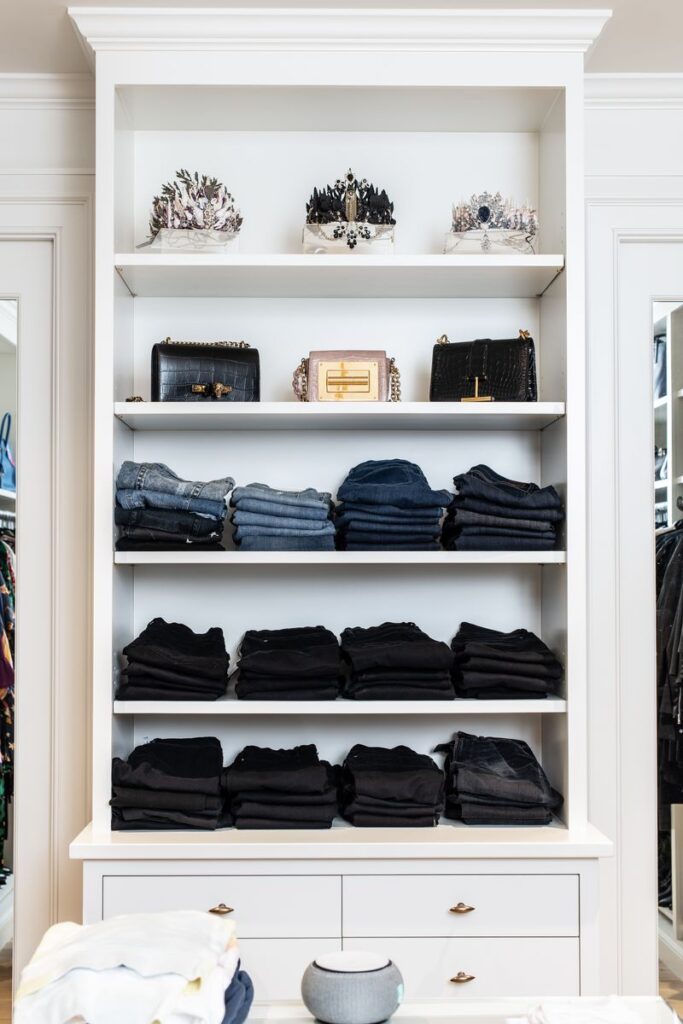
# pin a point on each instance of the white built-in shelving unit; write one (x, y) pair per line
(433, 105)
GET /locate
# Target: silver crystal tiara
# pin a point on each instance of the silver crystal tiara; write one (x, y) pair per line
(486, 212)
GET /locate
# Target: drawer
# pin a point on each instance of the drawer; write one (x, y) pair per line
(403, 905)
(276, 966)
(264, 907)
(499, 967)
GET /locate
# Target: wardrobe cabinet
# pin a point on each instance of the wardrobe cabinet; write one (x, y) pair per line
(433, 106)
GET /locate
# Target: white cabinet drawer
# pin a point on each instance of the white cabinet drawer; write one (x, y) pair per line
(276, 966)
(263, 906)
(403, 905)
(500, 967)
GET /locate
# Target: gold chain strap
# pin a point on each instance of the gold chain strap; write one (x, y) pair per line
(210, 344)
(395, 381)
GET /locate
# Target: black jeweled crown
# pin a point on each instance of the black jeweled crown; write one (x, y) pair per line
(350, 201)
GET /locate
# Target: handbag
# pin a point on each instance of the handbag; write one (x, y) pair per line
(343, 376)
(8, 467)
(484, 370)
(213, 371)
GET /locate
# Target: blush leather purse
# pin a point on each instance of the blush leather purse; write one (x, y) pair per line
(211, 371)
(484, 370)
(343, 376)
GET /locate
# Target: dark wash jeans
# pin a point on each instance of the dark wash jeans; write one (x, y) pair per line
(391, 482)
(484, 483)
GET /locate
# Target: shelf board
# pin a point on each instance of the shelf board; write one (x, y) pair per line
(151, 274)
(340, 558)
(343, 416)
(233, 707)
(660, 485)
(8, 499)
(450, 839)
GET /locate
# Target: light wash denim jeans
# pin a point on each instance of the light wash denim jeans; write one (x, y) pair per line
(155, 476)
(308, 498)
(158, 499)
(240, 518)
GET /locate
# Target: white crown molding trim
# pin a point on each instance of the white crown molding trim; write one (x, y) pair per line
(337, 29)
(47, 92)
(634, 92)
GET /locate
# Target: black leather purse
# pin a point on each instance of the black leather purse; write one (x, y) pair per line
(195, 371)
(484, 370)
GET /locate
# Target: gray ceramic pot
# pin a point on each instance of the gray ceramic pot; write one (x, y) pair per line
(352, 987)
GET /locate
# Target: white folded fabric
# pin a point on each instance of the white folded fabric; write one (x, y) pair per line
(170, 968)
(611, 1010)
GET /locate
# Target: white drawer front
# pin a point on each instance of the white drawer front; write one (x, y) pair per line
(500, 967)
(263, 906)
(404, 905)
(276, 966)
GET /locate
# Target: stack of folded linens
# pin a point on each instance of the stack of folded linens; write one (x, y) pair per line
(391, 787)
(169, 784)
(173, 966)
(157, 510)
(281, 789)
(170, 662)
(266, 519)
(396, 661)
(387, 505)
(494, 665)
(494, 781)
(301, 663)
(492, 513)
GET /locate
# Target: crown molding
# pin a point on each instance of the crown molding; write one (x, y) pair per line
(47, 92)
(336, 29)
(634, 92)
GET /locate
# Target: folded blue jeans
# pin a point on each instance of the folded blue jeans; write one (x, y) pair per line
(160, 500)
(263, 531)
(458, 516)
(545, 515)
(155, 476)
(240, 518)
(308, 498)
(262, 543)
(391, 482)
(483, 482)
(261, 506)
(169, 520)
(417, 546)
(492, 543)
(391, 511)
(376, 527)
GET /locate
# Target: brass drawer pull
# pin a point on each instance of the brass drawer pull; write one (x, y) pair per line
(221, 910)
(461, 908)
(462, 978)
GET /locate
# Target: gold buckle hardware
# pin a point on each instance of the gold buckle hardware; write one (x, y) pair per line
(476, 397)
(217, 389)
(353, 380)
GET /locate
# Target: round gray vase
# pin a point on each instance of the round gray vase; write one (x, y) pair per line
(351, 987)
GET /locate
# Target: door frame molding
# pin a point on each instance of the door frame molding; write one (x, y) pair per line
(65, 693)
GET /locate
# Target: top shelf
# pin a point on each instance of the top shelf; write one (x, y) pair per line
(163, 275)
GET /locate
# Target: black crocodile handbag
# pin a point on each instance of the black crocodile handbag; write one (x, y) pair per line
(484, 370)
(195, 371)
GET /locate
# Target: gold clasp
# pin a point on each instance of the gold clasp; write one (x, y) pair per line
(217, 389)
(524, 334)
(476, 397)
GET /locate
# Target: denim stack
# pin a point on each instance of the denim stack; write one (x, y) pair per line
(387, 505)
(281, 789)
(170, 662)
(169, 784)
(396, 661)
(494, 781)
(491, 513)
(301, 663)
(494, 665)
(266, 519)
(391, 787)
(157, 510)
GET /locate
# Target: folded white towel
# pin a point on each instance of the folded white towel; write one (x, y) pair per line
(170, 968)
(610, 1010)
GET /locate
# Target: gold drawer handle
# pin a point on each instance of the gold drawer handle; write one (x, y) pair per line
(462, 978)
(461, 908)
(221, 910)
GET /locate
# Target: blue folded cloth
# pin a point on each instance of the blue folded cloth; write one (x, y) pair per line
(391, 482)
(239, 996)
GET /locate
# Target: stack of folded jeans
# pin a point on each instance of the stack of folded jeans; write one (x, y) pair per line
(387, 505)
(281, 789)
(493, 781)
(494, 665)
(396, 661)
(491, 513)
(392, 788)
(169, 784)
(266, 519)
(301, 663)
(170, 662)
(156, 510)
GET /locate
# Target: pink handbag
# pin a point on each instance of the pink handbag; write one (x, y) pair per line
(343, 376)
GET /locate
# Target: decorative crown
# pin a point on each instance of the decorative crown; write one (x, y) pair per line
(193, 202)
(487, 212)
(349, 200)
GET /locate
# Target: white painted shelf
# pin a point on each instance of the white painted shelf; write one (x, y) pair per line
(346, 416)
(452, 839)
(308, 558)
(173, 275)
(232, 707)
